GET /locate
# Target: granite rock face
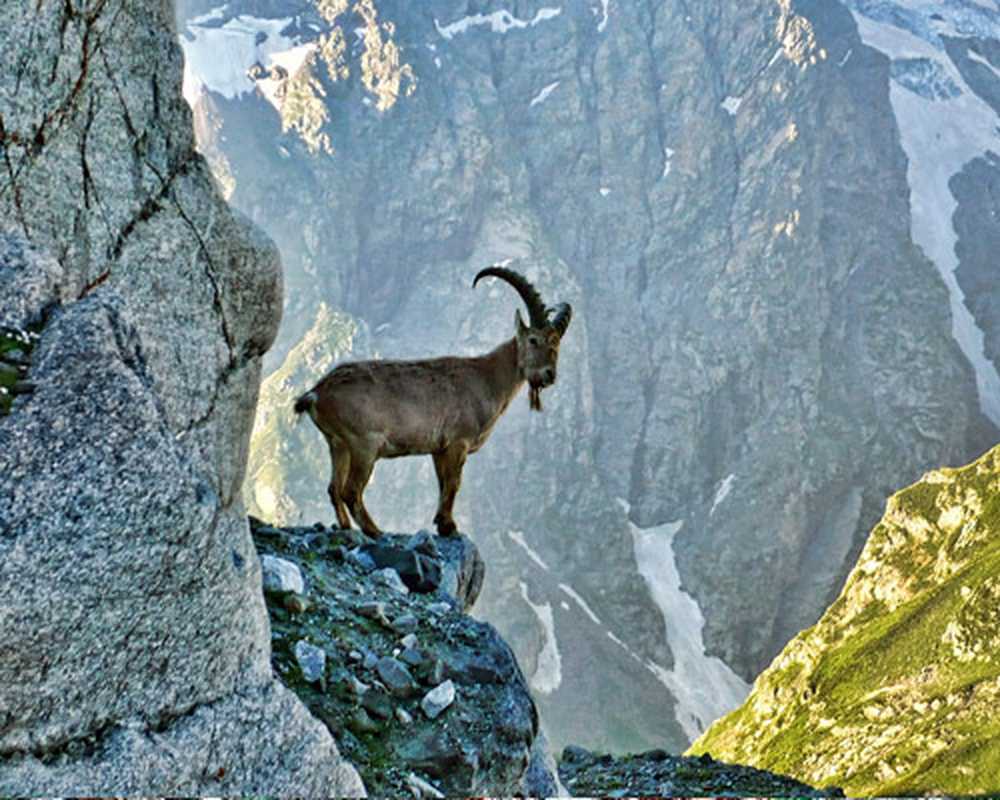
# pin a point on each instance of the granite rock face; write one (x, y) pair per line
(763, 344)
(134, 643)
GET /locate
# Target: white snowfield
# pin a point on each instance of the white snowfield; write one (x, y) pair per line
(218, 57)
(548, 669)
(704, 687)
(498, 22)
(939, 137)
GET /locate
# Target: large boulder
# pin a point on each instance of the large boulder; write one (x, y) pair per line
(134, 641)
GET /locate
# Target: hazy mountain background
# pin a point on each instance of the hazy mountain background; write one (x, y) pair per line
(777, 223)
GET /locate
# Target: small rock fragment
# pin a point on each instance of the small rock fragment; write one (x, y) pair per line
(370, 660)
(411, 657)
(423, 542)
(360, 559)
(403, 716)
(438, 699)
(405, 623)
(375, 611)
(395, 676)
(377, 704)
(422, 788)
(311, 660)
(360, 722)
(296, 603)
(410, 640)
(389, 577)
(439, 608)
(281, 575)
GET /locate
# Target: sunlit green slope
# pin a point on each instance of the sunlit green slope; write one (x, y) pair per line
(896, 690)
(284, 447)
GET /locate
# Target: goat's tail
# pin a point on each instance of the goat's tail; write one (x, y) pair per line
(305, 402)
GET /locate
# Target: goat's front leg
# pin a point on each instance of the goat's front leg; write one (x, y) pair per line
(448, 465)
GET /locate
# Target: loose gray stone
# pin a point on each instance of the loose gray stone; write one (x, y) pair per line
(438, 699)
(411, 657)
(280, 575)
(389, 577)
(395, 676)
(424, 542)
(405, 623)
(422, 788)
(311, 660)
(404, 716)
(378, 704)
(375, 611)
(360, 722)
(360, 559)
(409, 641)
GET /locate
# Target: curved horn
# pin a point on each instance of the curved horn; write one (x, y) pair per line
(536, 308)
(560, 322)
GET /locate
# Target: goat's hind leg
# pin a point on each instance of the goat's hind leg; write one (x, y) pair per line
(357, 480)
(340, 461)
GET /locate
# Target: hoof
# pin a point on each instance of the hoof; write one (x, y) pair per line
(372, 533)
(447, 528)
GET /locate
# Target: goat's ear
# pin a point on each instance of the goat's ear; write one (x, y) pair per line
(519, 323)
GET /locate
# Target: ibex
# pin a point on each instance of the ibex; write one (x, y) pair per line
(442, 407)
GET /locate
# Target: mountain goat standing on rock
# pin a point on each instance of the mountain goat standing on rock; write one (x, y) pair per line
(442, 407)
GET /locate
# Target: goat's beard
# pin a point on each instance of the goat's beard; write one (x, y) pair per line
(535, 397)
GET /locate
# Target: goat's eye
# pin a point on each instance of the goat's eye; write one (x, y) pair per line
(533, 341)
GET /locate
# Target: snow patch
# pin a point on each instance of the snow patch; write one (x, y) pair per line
(548, 671)
(544, 93)
(725, 487)
(580, 602)
(939, 136)
(703, 686)
(604, 19)
(499, 21)
(217, 57)
(605, 191)
(732, 104)
(517, 537)
(668, 154)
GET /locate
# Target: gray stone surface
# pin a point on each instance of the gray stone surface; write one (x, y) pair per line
(134, 647)
(395, 675)
(279, 575)
(259, 740)
(311, 660)
(438, 699)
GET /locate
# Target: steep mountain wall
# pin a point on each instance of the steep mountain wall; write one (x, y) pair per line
(134, 642)
(766, 342)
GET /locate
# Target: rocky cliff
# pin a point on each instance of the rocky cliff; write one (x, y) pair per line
(894, 690)
(134, 640)
(420, 696)
(771, 218)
